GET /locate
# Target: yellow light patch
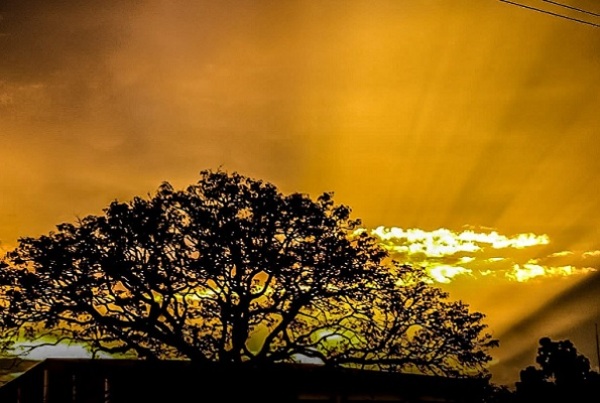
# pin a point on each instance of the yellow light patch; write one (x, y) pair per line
(446, 254)
(444, 274)
(529, 271)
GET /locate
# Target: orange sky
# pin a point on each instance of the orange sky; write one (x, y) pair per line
(421, 114)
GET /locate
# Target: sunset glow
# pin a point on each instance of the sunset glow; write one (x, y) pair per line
(529, 271)
(448, 255)
(463, 134)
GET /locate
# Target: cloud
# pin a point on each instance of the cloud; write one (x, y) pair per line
(562, 253)
(445, 273)
(528, 271)
(441, 242)
(451, 255)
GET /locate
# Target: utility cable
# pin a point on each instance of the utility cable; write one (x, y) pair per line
(550, 13)
(571, 7)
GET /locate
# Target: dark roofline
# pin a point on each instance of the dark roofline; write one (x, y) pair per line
(313, 372)
(295, 379)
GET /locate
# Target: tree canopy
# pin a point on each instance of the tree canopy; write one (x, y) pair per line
(563, 375)
(232, 270)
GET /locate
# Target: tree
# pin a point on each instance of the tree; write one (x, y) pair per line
(563, 373)
(494, 393)
(232, 270)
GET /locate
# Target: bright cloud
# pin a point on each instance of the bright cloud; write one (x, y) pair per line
(593, 253)
(442, 242)
(448, 255)
(562, 253)
(445, 273)
(528, 271)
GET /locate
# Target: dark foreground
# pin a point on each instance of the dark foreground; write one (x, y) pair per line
(120, 381)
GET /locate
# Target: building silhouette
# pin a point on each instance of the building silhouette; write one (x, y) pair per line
(130, 381)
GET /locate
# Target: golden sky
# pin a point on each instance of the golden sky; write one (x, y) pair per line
(426, 115)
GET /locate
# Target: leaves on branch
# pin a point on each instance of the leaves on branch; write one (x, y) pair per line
(232, 270)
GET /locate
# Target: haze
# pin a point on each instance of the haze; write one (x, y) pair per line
(421, 115)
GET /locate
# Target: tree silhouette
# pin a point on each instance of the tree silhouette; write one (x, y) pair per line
(495, 393)
(232, 270)
(563, 375)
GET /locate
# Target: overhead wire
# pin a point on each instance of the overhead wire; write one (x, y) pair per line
(556, 3)
(551, 13)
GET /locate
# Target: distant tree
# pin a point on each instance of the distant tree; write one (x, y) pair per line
(231, 270)
(494, 393)
(563, 373)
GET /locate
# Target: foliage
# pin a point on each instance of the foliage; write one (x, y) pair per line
(563, 373)
(232, 270)
(494, 393)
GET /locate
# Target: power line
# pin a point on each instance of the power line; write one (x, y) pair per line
(550, 13)
(571, 7)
